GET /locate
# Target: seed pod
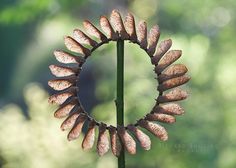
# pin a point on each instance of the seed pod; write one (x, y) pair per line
(69, 121)
(165, 118)
(106, 27)
(163, 47)
(74, 46)
(118, 25)
(67, 58)
(66, 108)
(172, 72)
(153, 38)
(61, 71)
(170, 108)
(82, 38)
(171, 83)
(116, 146)
(62, 96)
(127, 140)
(93, 31)
(154, 128)
(170, 57)
(103, 142)
(174, 95)
(89, 138)
(77, 128)
(143, 139)
(62, 83)
(130, 27)
(142, 34)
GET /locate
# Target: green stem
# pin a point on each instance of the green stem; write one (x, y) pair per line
(120, 94)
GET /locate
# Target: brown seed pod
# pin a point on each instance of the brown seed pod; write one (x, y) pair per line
(130, 27)
(142, 34)
(67, 58)
(172, 72)
(174, 95)
(163, 47)
(154, 128)
(171, 83)
(118, 25)
(143, 139)
(170, 108)
(74, 46)
(61, 71)
(103, 142)
(165, 118)
(106, 27)
(89, 138)
(69, 121)
(62, 83)
(153, 38)
(116, 146)
(93, 31)
(77, 128)
(82, 38)
(127, 140)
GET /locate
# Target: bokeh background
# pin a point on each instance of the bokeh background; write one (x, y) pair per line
(30, 30)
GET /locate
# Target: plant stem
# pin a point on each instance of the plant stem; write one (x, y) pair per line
(120, 94)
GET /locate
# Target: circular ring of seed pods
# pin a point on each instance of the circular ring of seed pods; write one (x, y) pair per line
(168, 77)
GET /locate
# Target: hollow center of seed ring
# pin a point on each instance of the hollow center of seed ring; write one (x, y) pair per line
(81, 66)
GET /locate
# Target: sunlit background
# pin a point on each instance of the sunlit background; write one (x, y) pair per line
(31, 29)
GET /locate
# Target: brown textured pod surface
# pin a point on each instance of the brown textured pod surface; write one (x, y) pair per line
(153, 38)
(106, 27)
(130, 27)
(69, 121)
(127, 140)
(103, 142)
(171, 83)
(143, 139)
(154, 128)
(89, 137)
(115, 141)
(170, 108)
(174, 95)
(165, 118)
(67, 58)
(82, 38)
(62, 83)
(62, 71)
(142, 34)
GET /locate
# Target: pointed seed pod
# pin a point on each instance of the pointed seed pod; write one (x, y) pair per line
(153, 38)
(127, 140)
(165, 118)
(67, 58)
(142, 34)
(130, 27)
(170, 108)
(89, 138)
(69, 121)
(154, 128)
(93, 31)
(77, 128)
(163, 47)
(116, 146)
(103, 142)
(74, 46)
(61, 71)
(118, 25)
(62, 83)
(172, 72)
(82, 38)
(174, 95)
(143, 139)
(106, 27)
(171, 83)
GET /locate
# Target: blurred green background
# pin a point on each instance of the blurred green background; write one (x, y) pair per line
(30, 30)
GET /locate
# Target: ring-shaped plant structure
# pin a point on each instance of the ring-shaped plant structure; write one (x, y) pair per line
(169, 77)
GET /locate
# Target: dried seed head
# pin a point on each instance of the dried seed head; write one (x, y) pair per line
(153, 38)
(172, 72)
(90, 136)
(165, 118)
(127, 140)
(62, 83)
(103, 142)
(171, 83)
(118, 25)
(154, 128)
(77, 128)
(130, 27)
(82, 38)
(66, 108)
(170, 108)
(67, 58)
(163, 47)
(69, 121)
(116, 146)
(61, 71)
(74, 46)
(93, 31)
(143, 139)
(142, 34)
(106, 27)
(174, 95)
